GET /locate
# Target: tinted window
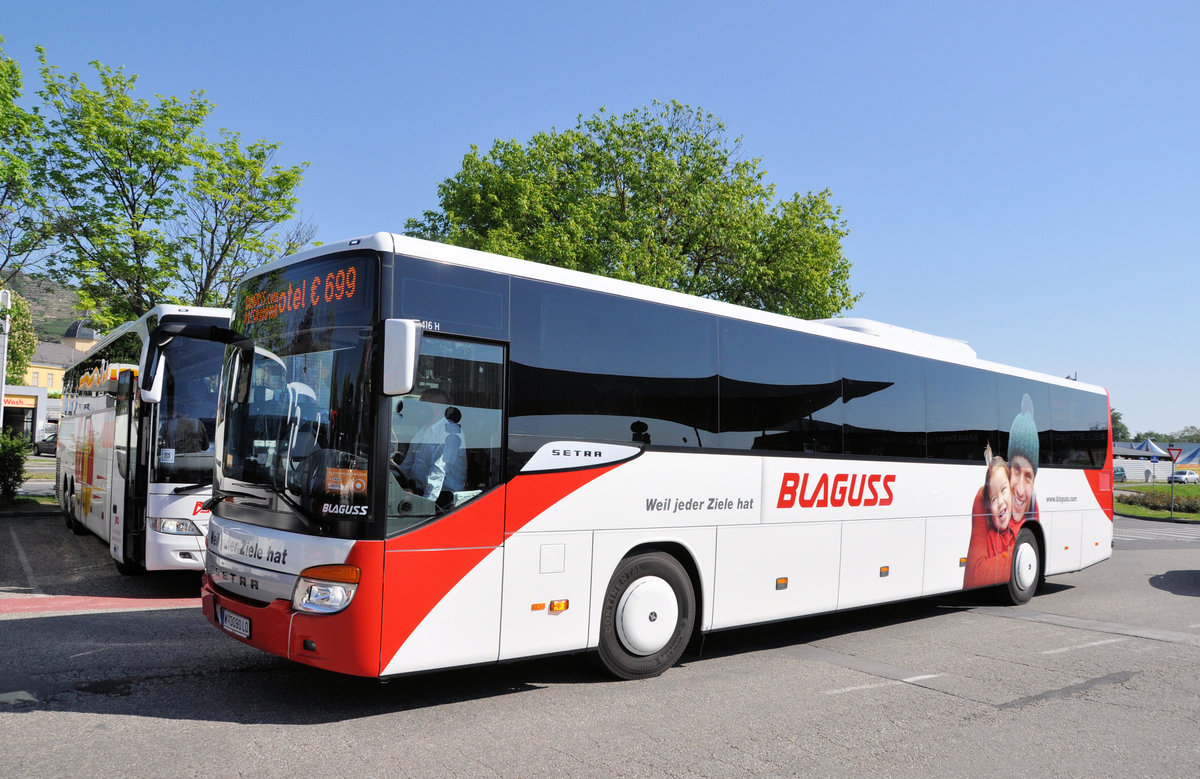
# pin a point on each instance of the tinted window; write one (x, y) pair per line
(884, 395)
(1079, 423)
(1024, 406)
(780, 390)
(960, 410)
(591, 366)
(452, 299)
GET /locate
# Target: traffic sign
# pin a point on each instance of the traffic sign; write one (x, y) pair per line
(1174, 453)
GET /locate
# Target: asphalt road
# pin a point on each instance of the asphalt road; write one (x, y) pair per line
(1099, 675)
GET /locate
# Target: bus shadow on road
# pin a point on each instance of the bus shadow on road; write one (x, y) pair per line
(170, 664)
(1178, 582)
(804, 630)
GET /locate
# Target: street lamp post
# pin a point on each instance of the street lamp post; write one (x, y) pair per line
(6, 304)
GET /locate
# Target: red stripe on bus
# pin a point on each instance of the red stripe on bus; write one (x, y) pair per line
(449, 549)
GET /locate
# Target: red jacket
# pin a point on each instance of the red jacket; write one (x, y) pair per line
(990, 551)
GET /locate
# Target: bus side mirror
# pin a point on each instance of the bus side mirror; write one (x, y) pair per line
(401, 348)
(153, 393)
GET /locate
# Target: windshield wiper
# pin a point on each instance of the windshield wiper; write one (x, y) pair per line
(185, 488)
(298, 512)
(219, 496)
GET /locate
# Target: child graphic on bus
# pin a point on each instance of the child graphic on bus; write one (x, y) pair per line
(993, 528)
(1004, 503)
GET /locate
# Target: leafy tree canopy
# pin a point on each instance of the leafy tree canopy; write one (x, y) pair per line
(146, 208)
(24, 235)
(657, 196)
(1120, 431)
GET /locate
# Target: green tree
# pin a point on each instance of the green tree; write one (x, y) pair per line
(1120, 431)
(236, 196)
(656, 196)
(146, 208)
(24, 234)
(115, 176)
(1188, 435)
(22, 339)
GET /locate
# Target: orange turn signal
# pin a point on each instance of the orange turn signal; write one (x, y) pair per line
(347, 574)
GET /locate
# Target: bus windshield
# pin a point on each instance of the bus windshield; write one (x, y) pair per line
(296, 426)
(187, 413)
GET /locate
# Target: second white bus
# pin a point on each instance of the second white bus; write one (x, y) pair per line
(135, 443)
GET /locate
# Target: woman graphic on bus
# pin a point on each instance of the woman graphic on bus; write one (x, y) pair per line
(1023, 450)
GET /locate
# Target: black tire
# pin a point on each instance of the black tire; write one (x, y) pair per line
(1026, 572)
(645, 589)
(77, 527)
(129, 569)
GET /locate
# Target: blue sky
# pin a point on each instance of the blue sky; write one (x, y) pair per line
(1021, 175)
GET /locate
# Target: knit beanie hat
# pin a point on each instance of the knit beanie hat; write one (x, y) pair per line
(1023, 436)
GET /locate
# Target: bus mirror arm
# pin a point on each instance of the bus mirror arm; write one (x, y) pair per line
(151, 381)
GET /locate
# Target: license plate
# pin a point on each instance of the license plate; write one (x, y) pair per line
(235, 623)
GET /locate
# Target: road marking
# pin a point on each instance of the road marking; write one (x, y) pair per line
(888, 683)
(17, 697)
(890, 674)
(58, 605)
(25, 566)
(1096, 626)
(1176, 532)
(1083, 646)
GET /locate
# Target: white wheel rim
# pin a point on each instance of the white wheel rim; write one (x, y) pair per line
(646, 615)
(1026, 567)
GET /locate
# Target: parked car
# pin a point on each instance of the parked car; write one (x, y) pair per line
(47, 445)
(1118, 473)
(1184, 477)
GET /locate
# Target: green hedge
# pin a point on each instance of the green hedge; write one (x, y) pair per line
(1161, 501)
(13, 450)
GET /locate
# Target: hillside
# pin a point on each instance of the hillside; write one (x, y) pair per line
(52, 304)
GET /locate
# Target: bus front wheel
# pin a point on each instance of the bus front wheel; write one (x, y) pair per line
(1026, 570)
(128, 568)
(649, 612)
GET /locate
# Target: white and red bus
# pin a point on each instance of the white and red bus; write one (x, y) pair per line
(135, 439)
(609, 467)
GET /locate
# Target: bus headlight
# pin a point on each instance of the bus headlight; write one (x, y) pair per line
(175, 527)
(325, 589)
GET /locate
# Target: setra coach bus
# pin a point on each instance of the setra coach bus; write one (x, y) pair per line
(431, 457)
(135, 439)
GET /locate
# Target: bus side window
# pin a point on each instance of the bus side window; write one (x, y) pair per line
(445, 435)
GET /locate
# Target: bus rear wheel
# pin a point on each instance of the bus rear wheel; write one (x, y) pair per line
(1026, 571)
(73, 523)
(648, 616)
